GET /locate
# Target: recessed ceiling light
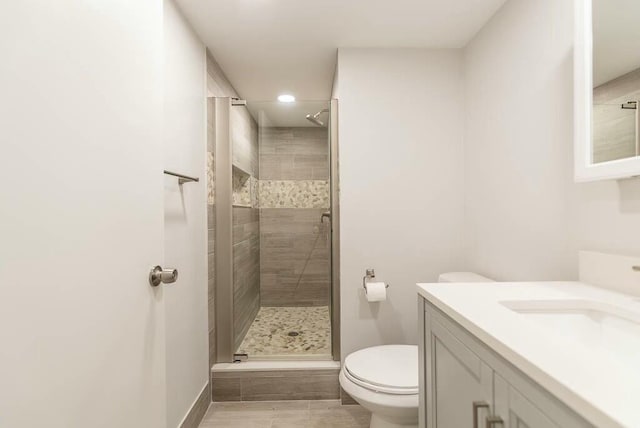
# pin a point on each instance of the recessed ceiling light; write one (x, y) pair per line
(286, 98)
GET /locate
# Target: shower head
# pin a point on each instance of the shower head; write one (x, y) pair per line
(314, 117)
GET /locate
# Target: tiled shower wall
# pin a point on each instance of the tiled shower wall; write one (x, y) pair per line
(246, 270)
(294, 192)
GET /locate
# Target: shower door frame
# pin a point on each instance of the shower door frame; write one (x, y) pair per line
(334, 183)
(223, 286)
(223, 169)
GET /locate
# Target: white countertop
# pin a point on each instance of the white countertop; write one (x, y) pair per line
(601, 386)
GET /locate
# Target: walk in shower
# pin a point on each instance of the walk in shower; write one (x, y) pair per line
(273, 289)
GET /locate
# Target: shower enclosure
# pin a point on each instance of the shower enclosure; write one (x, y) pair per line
(274, 288)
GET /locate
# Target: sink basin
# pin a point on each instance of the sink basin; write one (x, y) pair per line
(600, 326)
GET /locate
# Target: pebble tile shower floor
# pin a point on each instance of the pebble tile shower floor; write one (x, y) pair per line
(289, 331)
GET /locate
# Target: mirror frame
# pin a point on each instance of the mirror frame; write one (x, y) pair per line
(584, 170)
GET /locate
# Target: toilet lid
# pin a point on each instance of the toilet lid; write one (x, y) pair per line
(392, 369)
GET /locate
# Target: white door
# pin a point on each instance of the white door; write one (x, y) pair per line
(82, 339)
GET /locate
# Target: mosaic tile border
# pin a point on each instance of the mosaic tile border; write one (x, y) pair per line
(211, 183)
(294, 193)
(254, 188)
(248, 191)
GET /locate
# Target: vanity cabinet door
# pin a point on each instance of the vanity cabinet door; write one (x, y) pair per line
(515, 410)
(458, 379)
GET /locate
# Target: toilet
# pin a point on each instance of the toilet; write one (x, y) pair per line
(384, 379)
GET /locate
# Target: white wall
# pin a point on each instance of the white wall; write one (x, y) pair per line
(525, 217)
(401, 183)
(518, 143)
(185, 214)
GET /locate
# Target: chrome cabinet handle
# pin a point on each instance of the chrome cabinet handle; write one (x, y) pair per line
(476, 406)
(493, 421)
(159, 276)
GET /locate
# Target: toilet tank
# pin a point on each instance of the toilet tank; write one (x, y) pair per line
(463, 277)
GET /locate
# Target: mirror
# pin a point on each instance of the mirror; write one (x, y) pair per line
(616, 79)
(608, 67)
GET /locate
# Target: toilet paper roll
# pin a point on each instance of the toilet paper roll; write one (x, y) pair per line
(376, 291)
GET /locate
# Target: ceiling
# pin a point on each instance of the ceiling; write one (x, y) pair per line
(270, 47)
(616, 38)
(274, 114)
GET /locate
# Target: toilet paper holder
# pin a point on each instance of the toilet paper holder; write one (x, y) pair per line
(369, 274)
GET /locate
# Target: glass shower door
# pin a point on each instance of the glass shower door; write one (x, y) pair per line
(282, 230)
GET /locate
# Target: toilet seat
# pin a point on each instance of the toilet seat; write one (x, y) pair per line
(390, 369)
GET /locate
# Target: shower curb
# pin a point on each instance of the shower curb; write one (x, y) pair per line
(275, 380)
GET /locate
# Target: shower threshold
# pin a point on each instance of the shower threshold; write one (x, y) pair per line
(290, 357)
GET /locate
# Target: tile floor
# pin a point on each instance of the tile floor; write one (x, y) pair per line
(285, 414)
(269, 336)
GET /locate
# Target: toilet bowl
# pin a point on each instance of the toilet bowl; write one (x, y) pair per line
(384, 380)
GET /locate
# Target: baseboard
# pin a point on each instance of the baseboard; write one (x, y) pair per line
(198, 409)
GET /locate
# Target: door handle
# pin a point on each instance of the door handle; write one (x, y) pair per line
(159, 276)
(326, 214)
(493, 421)
(476, 406)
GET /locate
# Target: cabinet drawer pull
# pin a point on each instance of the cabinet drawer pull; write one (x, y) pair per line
(478, 405)
(494, 421)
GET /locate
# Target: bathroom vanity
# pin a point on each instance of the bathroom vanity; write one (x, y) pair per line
(535, 355)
